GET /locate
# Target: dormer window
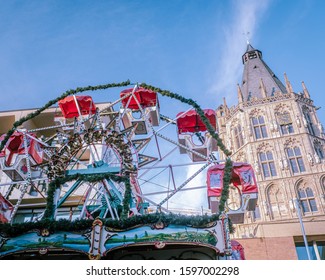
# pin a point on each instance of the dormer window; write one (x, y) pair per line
(252, 55)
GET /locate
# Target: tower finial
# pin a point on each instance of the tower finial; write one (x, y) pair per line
(247, 37)
(263, 88)
(240, 94)
(306, 92)
(288, 84)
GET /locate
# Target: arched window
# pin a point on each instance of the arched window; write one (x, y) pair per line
(259, 127)
(295, 159)
(309, 122)
(307, 199)
(318, 149)
(322, 182)
(267, 164)
(277, 203)
(238, 136)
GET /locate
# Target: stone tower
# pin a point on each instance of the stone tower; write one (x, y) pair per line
(278, 132)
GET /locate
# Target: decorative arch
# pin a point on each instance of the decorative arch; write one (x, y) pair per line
(256, 112)
(263, 147)
(291, 142)
(281, 108)
(277, 202)
(319, 150)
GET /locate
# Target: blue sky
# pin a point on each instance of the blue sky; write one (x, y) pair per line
(190, 47)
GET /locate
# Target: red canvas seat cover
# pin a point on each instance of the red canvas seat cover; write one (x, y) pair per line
(242, 175)
(191, 121)
(69, 108)
(15, 146)
(145, 97)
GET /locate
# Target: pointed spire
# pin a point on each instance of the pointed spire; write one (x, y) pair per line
(263, 88)
(288, 84)
(249, 47)
(240, 94)
(225, 106)
(306, 92)
(254, 69)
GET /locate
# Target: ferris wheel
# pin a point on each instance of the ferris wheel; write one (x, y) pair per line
(130, 156)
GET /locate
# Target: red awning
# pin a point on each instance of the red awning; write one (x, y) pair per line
(191, 121)
(145, 97)
(15, 145)
(242, 175)
(69, 108)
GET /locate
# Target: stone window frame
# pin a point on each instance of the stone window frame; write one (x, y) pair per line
(268, 164)
(259, 127)
(296, 161)
(307, 198)
(318, 147)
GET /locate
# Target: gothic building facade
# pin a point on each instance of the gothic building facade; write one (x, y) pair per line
(278, 132)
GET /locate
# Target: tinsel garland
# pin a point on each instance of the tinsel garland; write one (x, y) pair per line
(57, 182)
(82, 225)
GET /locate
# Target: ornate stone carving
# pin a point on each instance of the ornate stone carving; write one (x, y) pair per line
(310, 158)
(274, 126)
(257, 167)
(241, 157)
(263, 147)
(304, 121)
(298, 121)
(234, 123)
(321, 128)
(284, 163)
(256, 112)
(291, 142)
(281, 108)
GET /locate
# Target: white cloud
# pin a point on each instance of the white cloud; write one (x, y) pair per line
(195, 199)
(246, 16)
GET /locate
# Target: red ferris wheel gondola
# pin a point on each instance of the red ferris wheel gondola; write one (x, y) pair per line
(243, 181)
(191, 128)
(74, 106)
(145, 101)
(13, 160)
(141, 96)
(191, 122)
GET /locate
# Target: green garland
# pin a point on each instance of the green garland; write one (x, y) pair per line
(52, 226)
(56, 183)
(54, 101)
(211, 130)
(49, 212)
